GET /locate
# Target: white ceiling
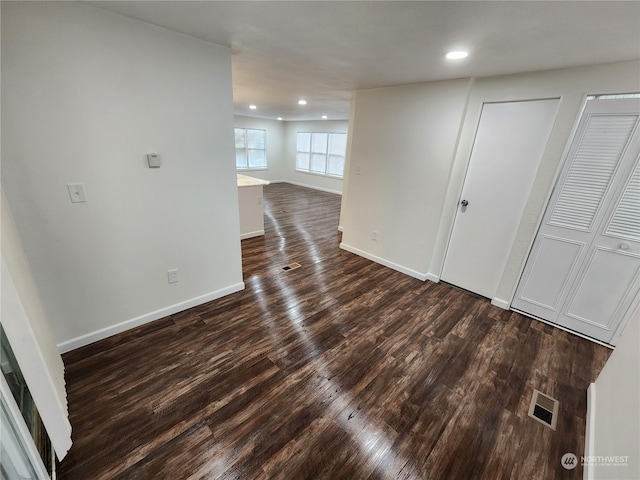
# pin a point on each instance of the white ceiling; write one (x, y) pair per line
(323, 51)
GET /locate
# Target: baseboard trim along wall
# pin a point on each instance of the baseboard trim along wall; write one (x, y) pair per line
(589, 435)
(103, 333)
(314, 187)
(386, 263)
(498, 302)
(433, 277)
(257, 233)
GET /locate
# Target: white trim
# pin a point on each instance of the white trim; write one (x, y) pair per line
(432, 277)
(386, 263)
(498, 302)
(23, 431)
(568, 330)
(589, 436)
(252, 169)
(340, 228)
(103, 333)
(257, 233)
(315, 187)
(17, 327)
(317, 174)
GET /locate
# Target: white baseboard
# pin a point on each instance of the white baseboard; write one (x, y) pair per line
(328, 190)
(257, 233)
(103, 333)
(589, 436)
(386, 263)
(498, 302)
(433, 277)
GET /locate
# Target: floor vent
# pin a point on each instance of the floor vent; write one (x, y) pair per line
(544, 409)
(291, 266)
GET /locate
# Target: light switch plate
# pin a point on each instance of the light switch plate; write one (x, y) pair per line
(154, 160)
(76, 192)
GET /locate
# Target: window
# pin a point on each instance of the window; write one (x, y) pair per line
(321, 153)
(251, 150)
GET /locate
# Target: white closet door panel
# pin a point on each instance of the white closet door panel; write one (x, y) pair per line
(591, 169)
(553, 261)
(625, 222)
(602, 288)
(596, 203)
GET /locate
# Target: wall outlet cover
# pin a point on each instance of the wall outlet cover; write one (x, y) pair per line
(172, 275)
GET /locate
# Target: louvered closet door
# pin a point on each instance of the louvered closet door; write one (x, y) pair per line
(584, 268)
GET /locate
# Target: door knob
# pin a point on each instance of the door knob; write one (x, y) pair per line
(464, 203)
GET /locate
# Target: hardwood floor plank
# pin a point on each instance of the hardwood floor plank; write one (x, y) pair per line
(168, 461)
(340, 369)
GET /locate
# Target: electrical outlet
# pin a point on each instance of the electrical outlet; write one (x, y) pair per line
(374, 235)
(173, 275)
(358, 170)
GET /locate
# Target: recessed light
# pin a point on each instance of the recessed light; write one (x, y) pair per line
(280, 118)
(302, 102)
(457, 55)
(324, 117)
(252, 107)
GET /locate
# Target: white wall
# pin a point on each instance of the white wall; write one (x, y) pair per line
(319, 182)
(276, 166)
(614, 410)
(403, 140)
(29, 332)
(86, 94)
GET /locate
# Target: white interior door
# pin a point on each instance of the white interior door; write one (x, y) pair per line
(510, 140)
(583, 272)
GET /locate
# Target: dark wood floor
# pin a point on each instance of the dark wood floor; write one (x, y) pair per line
(340, 369)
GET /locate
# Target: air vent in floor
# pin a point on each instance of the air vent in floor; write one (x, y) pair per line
(291, 266)
(544, 409)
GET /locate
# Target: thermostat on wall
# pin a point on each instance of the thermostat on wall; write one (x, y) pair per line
(154, 160)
